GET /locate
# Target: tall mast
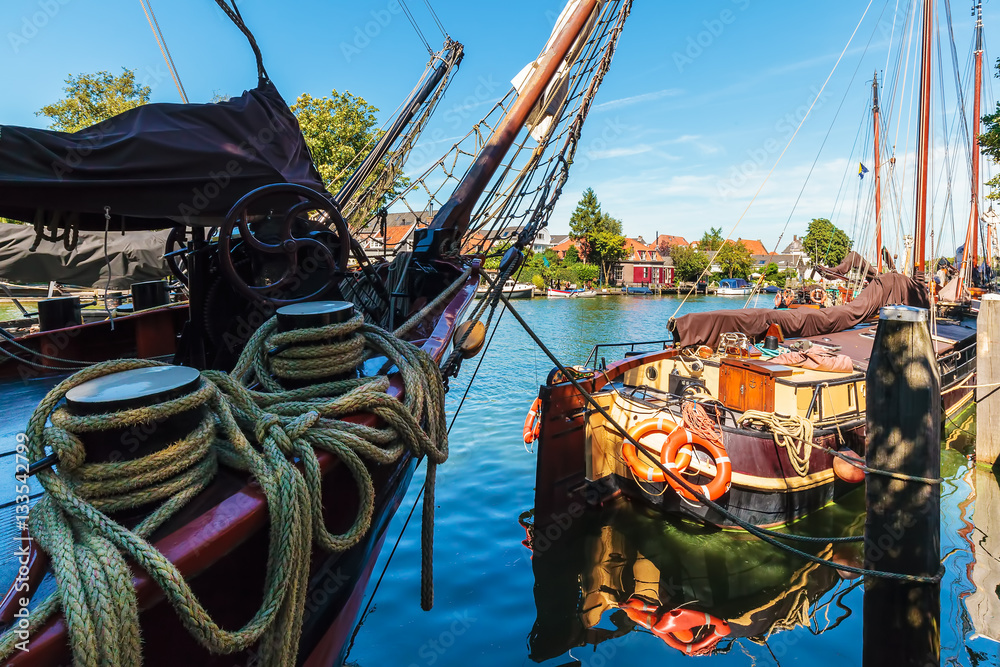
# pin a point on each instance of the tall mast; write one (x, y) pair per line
(923, 139)
(878, 190)
(978, 82)
(455, 214)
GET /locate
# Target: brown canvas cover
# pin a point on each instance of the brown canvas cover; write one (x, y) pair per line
(887, 289)
(851, 262)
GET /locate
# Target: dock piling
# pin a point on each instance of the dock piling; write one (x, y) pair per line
(902, 618)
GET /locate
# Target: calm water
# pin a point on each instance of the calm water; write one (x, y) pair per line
(782, 610)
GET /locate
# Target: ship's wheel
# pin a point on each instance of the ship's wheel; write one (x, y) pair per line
(296, 240)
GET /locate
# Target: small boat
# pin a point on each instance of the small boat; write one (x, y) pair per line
(734, 287)
(571, 293)
(511, 289)
(638, 290)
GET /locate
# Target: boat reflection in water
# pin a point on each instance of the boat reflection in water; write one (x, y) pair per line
(601, 575)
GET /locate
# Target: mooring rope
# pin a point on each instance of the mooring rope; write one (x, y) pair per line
(793, 433)
(89, 549)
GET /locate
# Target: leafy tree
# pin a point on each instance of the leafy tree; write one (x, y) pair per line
(538, 281)
(339, 131)
(572, 255)
(584, 222)
(734, 259)
(712, 239)
(92, 98)
(587, 273)
(825, 243)
(608, 245)
(771, 272)
(497, 250)
(689, 263)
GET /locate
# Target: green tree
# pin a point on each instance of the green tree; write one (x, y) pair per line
(609, 248)
(689, 263)
(92, 98)
(712, 239)
(585, 222)
(572, 255)
(339, 131)
(587, 273)
(825, 243)
(772, 272)
(734, 259)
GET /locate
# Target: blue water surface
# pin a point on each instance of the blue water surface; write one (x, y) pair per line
(485, 586)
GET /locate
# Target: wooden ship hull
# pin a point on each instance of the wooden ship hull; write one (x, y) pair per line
(580, 452)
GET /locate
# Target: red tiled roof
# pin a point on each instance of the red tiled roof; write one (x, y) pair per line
(670, 240)
(755, 247)
(395, 235)
(634, 247)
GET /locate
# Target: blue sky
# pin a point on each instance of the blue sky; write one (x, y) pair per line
(701, 99)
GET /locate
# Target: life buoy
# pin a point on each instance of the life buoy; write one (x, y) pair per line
(533, 422)
(817, 295)
(644, 469)
(676, 628)
(678, 450)
(641, 612)
(778, 299)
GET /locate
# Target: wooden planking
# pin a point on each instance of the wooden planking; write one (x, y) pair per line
(988, 373)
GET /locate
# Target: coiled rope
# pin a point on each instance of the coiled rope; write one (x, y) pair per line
(308, 354)
(794, 433)
(88, 548)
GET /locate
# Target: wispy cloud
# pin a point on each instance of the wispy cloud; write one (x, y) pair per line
(639, 99)
(624, 151)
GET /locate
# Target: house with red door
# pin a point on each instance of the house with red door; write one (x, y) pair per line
(644, 265)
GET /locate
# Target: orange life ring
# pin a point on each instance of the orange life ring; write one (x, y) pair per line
(676, 626)
(678, 449)
(641, 612)
(643, 469)
(778, 300)
(533, 422)
(817, 295)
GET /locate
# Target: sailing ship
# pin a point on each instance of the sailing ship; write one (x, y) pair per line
(230, 505)
(745, 417)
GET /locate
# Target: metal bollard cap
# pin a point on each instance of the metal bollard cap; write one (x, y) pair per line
(903, 314)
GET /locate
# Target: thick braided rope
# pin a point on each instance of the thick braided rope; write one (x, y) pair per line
(794, 433)
(101, 610)
(417, 423)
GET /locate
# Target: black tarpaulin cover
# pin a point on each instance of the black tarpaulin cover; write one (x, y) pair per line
(885, 290)
(133, 258)
(156, 165)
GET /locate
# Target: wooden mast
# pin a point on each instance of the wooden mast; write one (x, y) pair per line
(923, 139)
(878, 190)
(971, 249)
(455, 214)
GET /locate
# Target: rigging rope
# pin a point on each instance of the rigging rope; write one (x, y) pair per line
(781, 155)
(794, 434)
(154, 25)
(70, 522)
(416, 27)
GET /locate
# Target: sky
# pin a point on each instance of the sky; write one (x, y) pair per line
(687, 129)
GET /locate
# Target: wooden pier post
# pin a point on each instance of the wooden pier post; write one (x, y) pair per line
(988, 373)
(902, 618)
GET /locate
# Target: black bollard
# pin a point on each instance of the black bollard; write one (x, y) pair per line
(902, 618)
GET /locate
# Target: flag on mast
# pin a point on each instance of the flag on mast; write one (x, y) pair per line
(862, 170)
